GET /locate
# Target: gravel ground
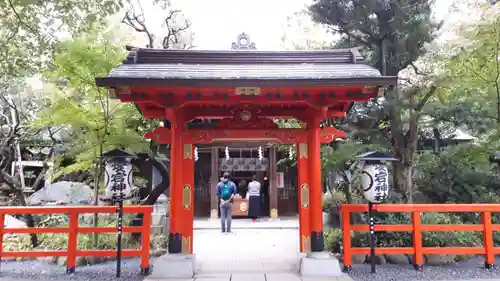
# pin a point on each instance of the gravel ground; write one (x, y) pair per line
(40, 270)
(468, 270)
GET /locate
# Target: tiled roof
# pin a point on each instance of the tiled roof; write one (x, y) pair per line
(240, 71)
(189, 67)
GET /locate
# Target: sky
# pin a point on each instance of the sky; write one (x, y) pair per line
(217, 23)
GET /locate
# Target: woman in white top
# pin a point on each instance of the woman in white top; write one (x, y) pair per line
(254, 199)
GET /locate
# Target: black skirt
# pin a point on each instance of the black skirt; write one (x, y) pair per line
(254, 206)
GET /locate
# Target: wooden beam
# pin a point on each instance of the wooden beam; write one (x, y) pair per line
(208, 136)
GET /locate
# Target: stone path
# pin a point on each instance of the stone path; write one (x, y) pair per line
(258, 277)
(282, 223)
(246, 251)
(261, 251)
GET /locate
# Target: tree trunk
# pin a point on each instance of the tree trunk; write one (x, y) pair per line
(15, 186)
(402, 180)
(142, 164)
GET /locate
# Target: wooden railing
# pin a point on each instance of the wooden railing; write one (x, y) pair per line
(416, 228)
(73, 229)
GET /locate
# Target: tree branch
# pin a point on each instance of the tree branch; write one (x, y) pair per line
(137, 22)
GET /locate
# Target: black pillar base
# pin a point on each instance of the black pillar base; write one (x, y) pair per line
(70, 270)
(174, 243)
(347, 268)
(489, 266)
(317, 242)
(145, 271)
(418, 266)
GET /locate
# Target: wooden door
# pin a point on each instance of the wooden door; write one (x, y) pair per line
(202, 185)
(287, 196)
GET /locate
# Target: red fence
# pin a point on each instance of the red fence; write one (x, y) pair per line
(73, 229)
(416, 227)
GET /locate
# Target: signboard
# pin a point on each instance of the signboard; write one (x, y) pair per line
(243, 164)
(280, 179)
(375, 182)
(117, 179)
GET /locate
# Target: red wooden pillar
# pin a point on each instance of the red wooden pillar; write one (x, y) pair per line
(175, 228)
(303, 183)
(186, 184)
(315, 191)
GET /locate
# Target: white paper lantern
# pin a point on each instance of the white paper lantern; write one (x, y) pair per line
(375, 182)
(118, 179)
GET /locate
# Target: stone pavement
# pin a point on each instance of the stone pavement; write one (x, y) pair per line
(263, 251)
(259, 277)
(246, 251)
(282, 223)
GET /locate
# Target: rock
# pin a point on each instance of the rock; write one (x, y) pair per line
(45, 259)
(61, 261)
(397, 259)
(12, 222)
(326, 219)
(81, 261)
(63, 192)
(358, 259)
(439, 259)
(95, 260)
(158, 252)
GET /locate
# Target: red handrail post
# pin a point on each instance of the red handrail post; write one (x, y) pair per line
(489, 255)
(346, 237)
(72, 242)
(417, 241)
(145, 241)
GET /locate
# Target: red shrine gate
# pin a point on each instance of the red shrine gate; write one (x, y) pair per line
(243, 92)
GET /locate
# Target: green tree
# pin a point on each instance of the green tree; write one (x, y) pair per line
(471, 94)
(339, 159)
(393, 34)
(31, 29)
(96, 123)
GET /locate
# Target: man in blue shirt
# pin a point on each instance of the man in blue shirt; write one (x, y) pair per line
(226, 189)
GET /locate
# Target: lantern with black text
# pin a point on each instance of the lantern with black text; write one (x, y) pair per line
(118, 184)
(375, 182)
(375, 175)
(117, 174)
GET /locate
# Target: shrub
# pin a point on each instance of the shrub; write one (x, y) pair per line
(333, 240)
(448, 238)
(59, 241)
(404, 239)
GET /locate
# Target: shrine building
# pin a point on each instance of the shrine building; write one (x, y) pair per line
(222, 107)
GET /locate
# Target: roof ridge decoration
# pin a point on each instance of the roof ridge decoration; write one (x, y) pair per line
(242, 57)
(243, 42)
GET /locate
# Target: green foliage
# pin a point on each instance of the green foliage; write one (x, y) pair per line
(458, 174)
(341, 155)
(448, 238)
(95, 123)
(333, 240)
(404, 239)
(30, 29)
(470, 95)
(404, 27)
